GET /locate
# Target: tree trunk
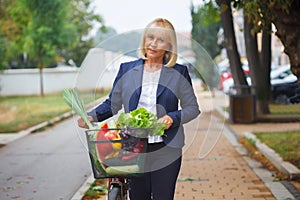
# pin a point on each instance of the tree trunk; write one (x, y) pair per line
(265, 63)
(41, 67)
(41, 82)
(231, 46)
(258, 70)
(288, 31)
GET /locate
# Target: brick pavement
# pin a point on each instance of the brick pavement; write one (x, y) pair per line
(226, 172)
(222, 174)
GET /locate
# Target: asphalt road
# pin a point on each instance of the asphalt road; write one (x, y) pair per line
(51, 164)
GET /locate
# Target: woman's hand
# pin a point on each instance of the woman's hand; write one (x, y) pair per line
(81, 123)
(167, 120)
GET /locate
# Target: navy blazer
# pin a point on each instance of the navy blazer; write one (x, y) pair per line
(175, 97)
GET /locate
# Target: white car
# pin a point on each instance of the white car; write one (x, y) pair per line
(228, 84)
(282, 74)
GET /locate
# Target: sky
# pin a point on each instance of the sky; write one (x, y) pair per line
(128, 15)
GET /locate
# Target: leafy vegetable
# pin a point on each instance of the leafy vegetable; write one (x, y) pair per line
(116, 170)
(72, 98)
(141, 118)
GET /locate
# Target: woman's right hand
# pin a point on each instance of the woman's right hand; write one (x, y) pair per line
(81, 123)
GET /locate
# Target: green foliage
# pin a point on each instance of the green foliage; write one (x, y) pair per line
(83, 18)
(96, 190)
(260, 11)
(45, 32)
(48, 29)
(206, 25)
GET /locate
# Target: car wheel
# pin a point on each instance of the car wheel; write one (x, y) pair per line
(282, 99)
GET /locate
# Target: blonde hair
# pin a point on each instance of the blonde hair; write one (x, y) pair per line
(170, 57)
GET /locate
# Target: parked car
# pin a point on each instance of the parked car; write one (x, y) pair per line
(228, 83)
(282, 92)
(283, 84)
(226, 78)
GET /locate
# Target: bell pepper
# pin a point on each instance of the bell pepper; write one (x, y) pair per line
(113, 135)
(103, 149)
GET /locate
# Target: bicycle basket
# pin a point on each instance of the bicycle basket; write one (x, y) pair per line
(117, 152)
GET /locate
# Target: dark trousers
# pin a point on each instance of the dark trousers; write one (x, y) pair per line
(161, 172)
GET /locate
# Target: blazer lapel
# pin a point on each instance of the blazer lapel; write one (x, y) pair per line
(136, 79)
(164, 79)
(137, 76)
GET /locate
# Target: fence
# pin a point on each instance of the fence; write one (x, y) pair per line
(98, 70)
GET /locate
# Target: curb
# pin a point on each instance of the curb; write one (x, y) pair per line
(287, 168)
(83, 188)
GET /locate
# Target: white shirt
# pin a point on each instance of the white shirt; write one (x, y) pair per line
(148, 97)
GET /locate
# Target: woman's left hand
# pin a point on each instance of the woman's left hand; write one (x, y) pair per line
(167, 120)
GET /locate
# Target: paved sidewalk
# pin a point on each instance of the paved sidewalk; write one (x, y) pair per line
(226, 172)
(222, 174)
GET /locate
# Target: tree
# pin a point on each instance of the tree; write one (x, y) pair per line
(231, 46)
(84, 19)
(284, 15)
(13, 21)
(259, 61)
(3, 27)
(259, 64)
(206, 25)
(288, 31)
(79, 19)
(47, 30)
(259, 17)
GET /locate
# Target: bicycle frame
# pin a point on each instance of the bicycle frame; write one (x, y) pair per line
(117, 189)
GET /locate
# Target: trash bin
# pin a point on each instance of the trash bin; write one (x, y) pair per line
(242, 106)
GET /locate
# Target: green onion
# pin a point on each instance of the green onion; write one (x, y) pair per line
(72, 98)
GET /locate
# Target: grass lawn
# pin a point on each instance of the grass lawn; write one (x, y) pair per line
(286, 144)
(282, 109)
(18, 113)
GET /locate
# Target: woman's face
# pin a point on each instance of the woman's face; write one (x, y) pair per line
(156, 43)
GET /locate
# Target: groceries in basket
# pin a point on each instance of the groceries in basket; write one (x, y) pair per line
(119, 145)
(116, 147)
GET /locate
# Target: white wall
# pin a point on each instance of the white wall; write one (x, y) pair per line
(98, 70)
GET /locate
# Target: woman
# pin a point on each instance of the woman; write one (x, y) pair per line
(156, 82)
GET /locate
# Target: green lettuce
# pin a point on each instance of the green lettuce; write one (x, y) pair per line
(142, 118)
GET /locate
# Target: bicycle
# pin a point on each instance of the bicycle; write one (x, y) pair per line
(117, 154)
